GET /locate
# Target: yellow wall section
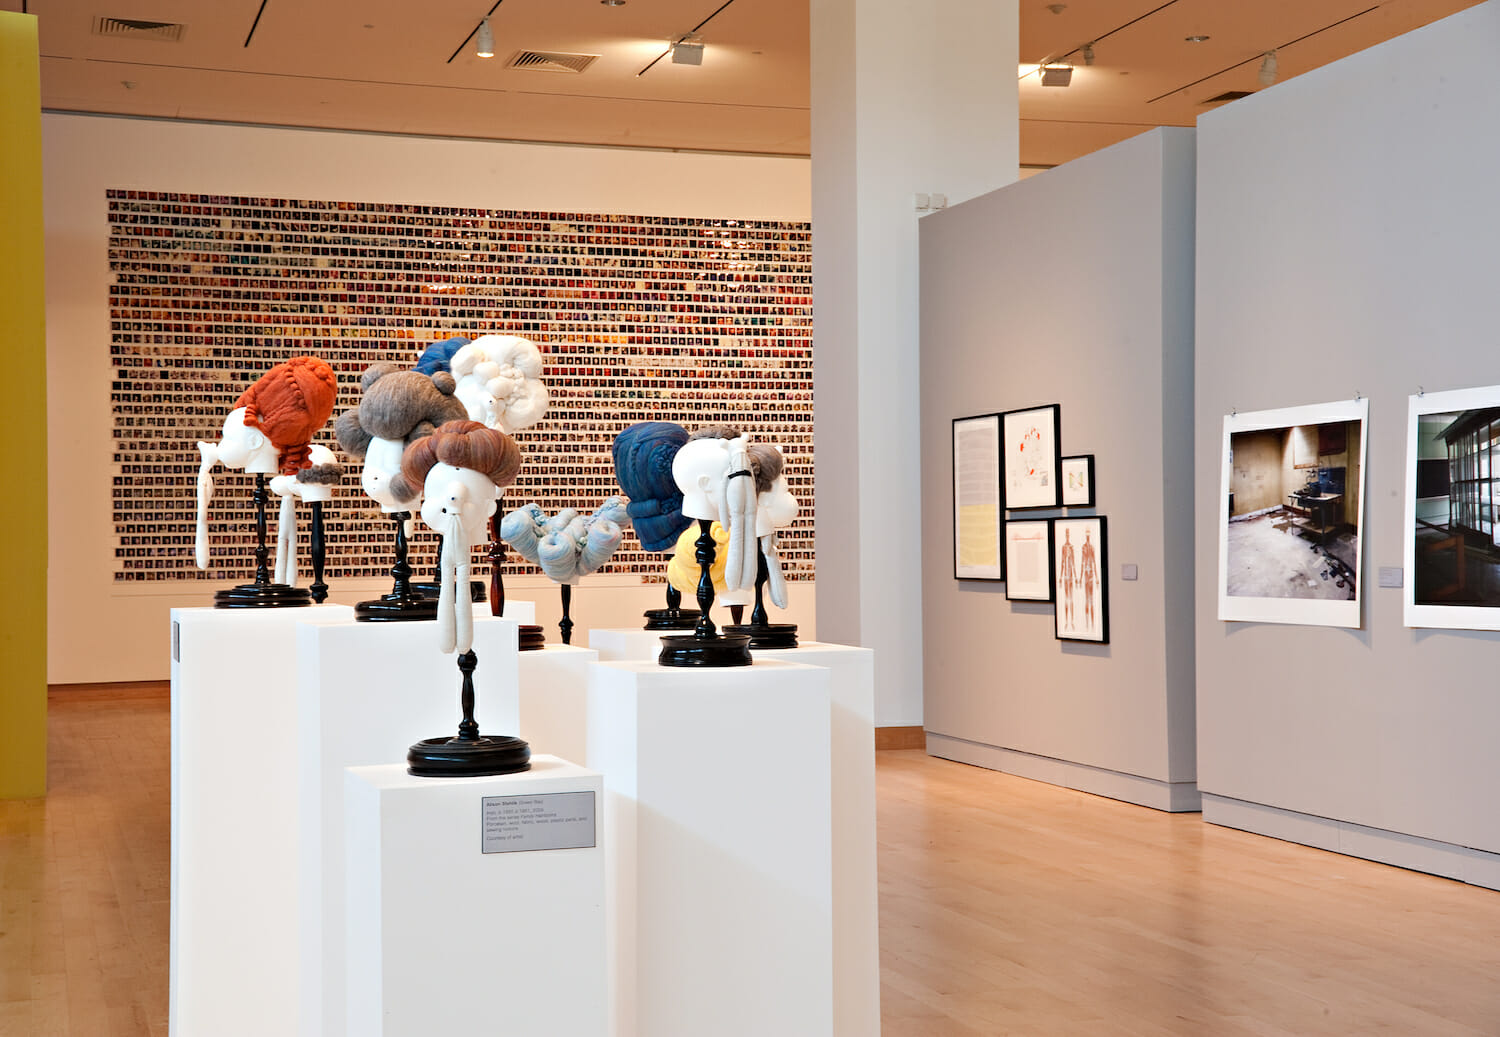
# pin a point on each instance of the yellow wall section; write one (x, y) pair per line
(23, 416)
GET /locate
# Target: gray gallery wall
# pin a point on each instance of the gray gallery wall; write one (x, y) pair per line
(1347, 223)
(1074, 287)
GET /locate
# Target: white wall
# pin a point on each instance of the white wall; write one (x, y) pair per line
(906, 98)
(1075, 288)
(1347, 222)
(100, 631)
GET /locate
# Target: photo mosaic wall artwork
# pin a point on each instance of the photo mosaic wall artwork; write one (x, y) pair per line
(640, 318)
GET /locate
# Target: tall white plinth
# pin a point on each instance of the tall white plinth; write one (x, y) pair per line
(554, 683)
(629, 645)
(446, 939)
(366, 692)
(234, 905)
(717, 815)
(520, 611)
(856, 920)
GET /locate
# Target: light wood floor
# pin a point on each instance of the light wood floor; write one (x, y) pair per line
(1007, 907)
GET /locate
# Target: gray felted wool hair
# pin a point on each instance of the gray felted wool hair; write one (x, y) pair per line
(398, 405)
(766, 462)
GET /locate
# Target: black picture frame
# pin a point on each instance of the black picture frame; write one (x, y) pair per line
(1028, 555)
(981, 482)
(1081, 532)
(1031, 482)
(1083, 497)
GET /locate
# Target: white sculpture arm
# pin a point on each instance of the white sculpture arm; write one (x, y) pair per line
(210, 456)
(775, 580)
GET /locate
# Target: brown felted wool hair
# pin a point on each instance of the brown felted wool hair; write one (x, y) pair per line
(462, 444)
(718, 431)
(766, 462)
(290, 403)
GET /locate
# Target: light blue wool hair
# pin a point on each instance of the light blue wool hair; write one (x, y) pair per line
(568, 545)
(439, 355)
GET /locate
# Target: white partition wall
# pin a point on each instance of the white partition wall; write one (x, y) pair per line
(1346, 229)
(1074, 288)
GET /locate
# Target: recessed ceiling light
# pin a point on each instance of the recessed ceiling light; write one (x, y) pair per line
(613, 3)
(1195, 39)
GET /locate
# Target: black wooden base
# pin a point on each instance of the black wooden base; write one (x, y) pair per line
(670, 619)
(532, 637)
(691, 650)
(767, 635)
(262, 596)
(396, 608)
(478, 590)
(468, 757)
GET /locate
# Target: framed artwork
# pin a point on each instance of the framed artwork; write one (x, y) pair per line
(1080, 566)
(978, 553)
(1451, 532)
(1078, 481)
(1028, 560)
(1291, 515)
(1032, 478)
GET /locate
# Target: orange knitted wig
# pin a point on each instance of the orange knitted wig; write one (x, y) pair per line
(290, 403)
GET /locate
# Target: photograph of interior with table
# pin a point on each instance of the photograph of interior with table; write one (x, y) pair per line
(750, 518)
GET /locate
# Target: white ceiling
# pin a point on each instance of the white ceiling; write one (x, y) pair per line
(376, 65)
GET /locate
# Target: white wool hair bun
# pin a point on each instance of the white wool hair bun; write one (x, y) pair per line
(511, 369)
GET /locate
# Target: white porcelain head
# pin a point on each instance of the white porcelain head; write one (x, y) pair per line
(775, 509)
(699, 470)
(460, 492)
(382, 463)
(247, 447)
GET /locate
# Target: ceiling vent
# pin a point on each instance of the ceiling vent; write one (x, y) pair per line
(551, 61)
(135, 29)
(1229, 95)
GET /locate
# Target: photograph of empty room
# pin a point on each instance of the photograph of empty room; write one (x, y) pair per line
(1453, 536)
(1292, 509)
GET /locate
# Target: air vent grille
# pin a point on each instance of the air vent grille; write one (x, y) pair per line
(1228, 95)
(551, 61)
(135, 29)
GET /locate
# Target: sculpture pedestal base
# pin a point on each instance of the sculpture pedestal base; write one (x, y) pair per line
(455, 757)
(767, 635)
(670, 619)
(262, 596)
(532, 637)
(691, 650)
(477, 590)
(396, 608)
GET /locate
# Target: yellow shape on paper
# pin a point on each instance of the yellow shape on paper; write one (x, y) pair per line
(977, 547)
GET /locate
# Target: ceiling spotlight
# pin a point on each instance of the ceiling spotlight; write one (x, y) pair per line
(484, 40)
(1268, 69)
(1195, 39)
(1088, 53)
(688, 50)
(613, 3)
(1057, 75)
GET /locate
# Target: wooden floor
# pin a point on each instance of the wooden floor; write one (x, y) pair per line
(1007, 907)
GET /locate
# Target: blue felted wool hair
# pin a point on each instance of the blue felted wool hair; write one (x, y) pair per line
(439, 356)
(643, 467)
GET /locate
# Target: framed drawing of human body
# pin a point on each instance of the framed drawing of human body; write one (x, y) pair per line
(978, 553)
(1032, 470)
(1080, 565)
(1028, 560)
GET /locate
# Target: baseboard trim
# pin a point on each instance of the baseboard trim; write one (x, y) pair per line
(1448, 860)
(900, 738)
(110, 692)
(1172, 796)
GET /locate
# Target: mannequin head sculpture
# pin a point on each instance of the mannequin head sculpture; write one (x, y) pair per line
(699, 470)
(717, 482)
(246, 447)
(775, 509)
(643, 455)
(397, 409)
(500, 381)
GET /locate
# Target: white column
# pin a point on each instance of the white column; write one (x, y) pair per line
(906, 99)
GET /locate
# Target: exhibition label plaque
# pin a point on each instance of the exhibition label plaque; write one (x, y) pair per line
(553, 821)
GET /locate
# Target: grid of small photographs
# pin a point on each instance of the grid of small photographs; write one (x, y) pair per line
(639, 318)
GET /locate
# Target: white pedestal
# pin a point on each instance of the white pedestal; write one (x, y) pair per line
(445, 939)
(554, 683)
(366, 692)
(626, 645)
(717, 817)
(520, 611)
(856, 921)
(234, 905)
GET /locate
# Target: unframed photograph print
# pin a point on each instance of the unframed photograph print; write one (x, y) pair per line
(977, 550)
(1032, 479)
(1080, 567)
(1290, 511)
(1028, 560)
(1452, 536)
